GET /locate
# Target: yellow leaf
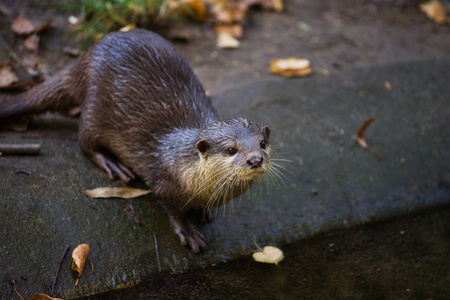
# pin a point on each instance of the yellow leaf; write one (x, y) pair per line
(436, 11)
(194, 8)
(116, 192)
(278, 5)
(79, 256)
(234, 30)
(270, 254)
(128, 27)
(226, 41)
(290, 67)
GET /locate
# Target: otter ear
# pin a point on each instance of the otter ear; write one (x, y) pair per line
(202, 145)
(266, 132)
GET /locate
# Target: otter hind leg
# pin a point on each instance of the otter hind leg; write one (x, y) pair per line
(112, 166)
(92, 149)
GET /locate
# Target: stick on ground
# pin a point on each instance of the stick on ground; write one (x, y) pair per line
(59, 267)
(24, 149)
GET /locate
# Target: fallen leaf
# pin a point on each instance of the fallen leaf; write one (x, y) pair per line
(73, 20)
(193, 8)
(79, 256)
(387, 85)
(42, 297)
(269, 254)
(235, 30)
(360, 134)
(127, 28)
(290, 67)
(22, 26)
(7, 76)
(226, 41)
(116, 192)
(227, 12)
(278, 5)
(436, 11)
(32, 42)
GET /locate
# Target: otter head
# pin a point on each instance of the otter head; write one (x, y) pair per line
(237, 148)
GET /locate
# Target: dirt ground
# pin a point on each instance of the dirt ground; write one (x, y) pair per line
(333, 35)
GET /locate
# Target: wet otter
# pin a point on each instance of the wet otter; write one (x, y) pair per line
(144, 112)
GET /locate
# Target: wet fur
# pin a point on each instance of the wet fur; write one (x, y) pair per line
(144, 112)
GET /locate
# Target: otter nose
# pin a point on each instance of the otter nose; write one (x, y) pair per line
(255, 162)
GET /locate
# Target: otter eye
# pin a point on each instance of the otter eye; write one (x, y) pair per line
(263, 144)
(231, 151)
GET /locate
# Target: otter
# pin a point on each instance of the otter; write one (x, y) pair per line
(144, 113)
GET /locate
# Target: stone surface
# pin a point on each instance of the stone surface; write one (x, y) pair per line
(312, 127)
(331, 182)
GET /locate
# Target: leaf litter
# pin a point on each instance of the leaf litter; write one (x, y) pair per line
(116, 192)
(360, 134)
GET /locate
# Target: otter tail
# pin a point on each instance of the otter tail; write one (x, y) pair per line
(54, 94)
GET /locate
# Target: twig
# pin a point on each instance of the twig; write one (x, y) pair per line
(14, 284)
(259, 248)
(24, 149)
(92, 265)
(59, 267)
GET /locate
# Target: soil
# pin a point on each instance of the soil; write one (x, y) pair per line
(333, 35)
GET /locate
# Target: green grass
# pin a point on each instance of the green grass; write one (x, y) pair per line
(102, 16)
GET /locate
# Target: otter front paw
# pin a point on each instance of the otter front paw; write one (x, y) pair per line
(189, 235)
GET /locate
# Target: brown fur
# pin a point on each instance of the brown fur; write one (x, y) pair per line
(144, 112)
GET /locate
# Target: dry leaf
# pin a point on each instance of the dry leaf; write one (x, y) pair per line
(42, 297)
(360, 134)
(229, 12)
(7, 76)
(22, 26)
(436, 11)
(116, 192)
(127, 28)
(270, 254)
(79, 256)
(32, 42)
(278, 5)
(290, 67)
(387, 85)
(235, 30)
(194, 8)
(226, 41)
